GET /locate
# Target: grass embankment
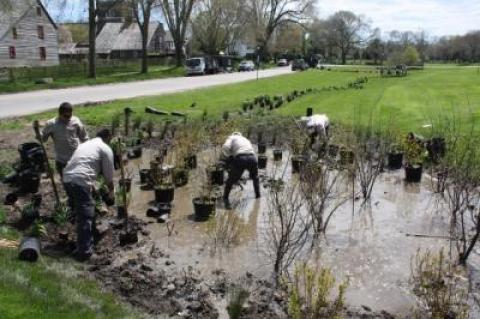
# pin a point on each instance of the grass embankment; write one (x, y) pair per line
(155, 72)
(49, 288)
(410, 101)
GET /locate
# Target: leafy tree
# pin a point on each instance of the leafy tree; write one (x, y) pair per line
(410, 56)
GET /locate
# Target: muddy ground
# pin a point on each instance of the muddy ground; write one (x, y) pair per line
(183, 273)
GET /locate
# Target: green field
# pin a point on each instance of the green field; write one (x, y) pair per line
(410, 101)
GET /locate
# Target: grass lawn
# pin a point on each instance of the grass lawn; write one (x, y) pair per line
(410, 101)
(155, 72)
(52, 289)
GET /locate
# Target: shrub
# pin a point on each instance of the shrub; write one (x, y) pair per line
(310, 292)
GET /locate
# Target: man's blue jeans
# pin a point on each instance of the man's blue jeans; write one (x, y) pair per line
(84, 209)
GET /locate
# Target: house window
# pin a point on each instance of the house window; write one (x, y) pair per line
(12, 52)
(14, 33)
(39, 11)
(40, 32)
(43, 53)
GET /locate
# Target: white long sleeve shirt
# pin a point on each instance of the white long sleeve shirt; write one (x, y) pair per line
(235, 145)
(91, 158)
(317, 123)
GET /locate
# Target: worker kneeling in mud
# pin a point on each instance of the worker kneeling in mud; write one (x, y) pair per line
(317, 127)
(238, 155)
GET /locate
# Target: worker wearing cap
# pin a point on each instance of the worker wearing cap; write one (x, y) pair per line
(67, 132)
(238, 152)
(89, 160)
(317, 126)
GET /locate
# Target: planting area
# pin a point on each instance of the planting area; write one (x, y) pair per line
(364, 224)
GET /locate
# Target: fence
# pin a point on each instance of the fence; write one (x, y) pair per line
(68, 69)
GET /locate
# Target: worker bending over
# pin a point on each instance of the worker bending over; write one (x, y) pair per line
(317, 126)
(239, 155)
(91, 158)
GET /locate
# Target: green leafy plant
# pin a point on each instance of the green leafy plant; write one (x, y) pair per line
(415, 153)
(29, 211)
(119, 198)
(310, 293)
(38, 229)
(61, 214)
(236, 298)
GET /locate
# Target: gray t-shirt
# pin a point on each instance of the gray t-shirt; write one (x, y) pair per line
(66, 136)
(91, 158)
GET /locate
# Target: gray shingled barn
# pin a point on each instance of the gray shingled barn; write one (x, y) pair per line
(28, 35)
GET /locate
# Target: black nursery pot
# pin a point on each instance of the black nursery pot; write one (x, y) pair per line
(121, 213)
(29, 249)
(277, 155)
(262, 161)
(191, 161)
(332, 150)
(126, 184)
(144, 176)
(164, 193)
(216, 176)
(413, 173)
(10, 199)
(297, 163)
(395, 160)
(180, 177)
(309, 111)
(262, 148)
(29, 181)
(203, 208)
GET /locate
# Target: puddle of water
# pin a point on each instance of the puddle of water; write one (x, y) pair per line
(371, 248)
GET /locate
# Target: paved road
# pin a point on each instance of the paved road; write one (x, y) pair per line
(37, 101)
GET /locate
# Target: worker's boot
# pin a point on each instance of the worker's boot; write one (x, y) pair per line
(256, 187)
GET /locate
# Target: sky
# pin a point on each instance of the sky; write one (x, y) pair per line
(435, 17)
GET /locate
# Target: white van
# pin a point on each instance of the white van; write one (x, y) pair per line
(195, 66)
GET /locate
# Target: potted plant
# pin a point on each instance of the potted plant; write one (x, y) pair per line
(204, 202)
(262, 161)
(414, 153)
(298, 145)
(126, 182)
(395, 157)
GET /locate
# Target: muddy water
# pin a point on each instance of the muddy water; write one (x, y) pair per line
(369, 245)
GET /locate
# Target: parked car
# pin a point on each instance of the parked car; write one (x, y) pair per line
(299, 64)
(246, 66)
(201, 65)
(282, 62)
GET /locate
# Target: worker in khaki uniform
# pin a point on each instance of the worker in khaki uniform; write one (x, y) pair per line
(239, 155)
(67, 132)
(90, 159)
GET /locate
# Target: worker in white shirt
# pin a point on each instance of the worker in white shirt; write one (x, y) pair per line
(238, 152)
(67, 132)
(317, 126)
(91, 159)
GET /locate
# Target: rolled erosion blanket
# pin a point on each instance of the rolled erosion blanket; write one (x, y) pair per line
(153, 110)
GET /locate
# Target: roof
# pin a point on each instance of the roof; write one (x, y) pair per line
(116, 36)
(19, 8)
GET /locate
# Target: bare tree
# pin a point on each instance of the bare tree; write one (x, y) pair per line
(346, 30)
(267, 15)
(177, 14)
(142, 10)
(288, 227)
(324, 192)
(217, 24)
